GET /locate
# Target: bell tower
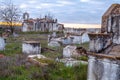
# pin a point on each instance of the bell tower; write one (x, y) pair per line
(25, 16)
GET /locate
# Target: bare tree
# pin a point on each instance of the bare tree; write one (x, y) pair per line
(9, 13)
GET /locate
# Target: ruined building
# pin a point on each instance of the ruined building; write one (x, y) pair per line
(41, 24)
(104, 55)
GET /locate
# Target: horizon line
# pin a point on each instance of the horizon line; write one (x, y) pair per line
(78, 25)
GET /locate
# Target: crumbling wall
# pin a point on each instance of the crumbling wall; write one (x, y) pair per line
(107, 18)
(103, 69)
(111, 22)
(106, 65)
(99, 42)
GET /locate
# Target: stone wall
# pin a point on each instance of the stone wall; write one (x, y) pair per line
(99, 42)
(103, 69)
(106, 64)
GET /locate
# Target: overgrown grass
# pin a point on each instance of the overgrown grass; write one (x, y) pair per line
(83, 58)
(12, 49)
(34, 32)
(39, 32)
(17, 68)
(54, 54)
(61, 72)
(45, 60)
(85, 45)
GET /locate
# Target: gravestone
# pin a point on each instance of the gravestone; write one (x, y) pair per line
(68, 51)
(31, 47)
(2, 43)
(54, 44)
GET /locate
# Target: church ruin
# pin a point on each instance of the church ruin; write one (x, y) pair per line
(104, 55)
(45, 24)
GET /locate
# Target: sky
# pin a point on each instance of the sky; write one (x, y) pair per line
(67, 11)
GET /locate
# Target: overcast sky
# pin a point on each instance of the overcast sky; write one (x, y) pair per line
(67, 11)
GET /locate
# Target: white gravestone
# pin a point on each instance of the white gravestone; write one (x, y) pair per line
(31, 47)
(68, 51)
(2, 43)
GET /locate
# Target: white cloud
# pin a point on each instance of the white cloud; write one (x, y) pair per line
(97, 2)
(32, 1)
(62, 2)
(46, 5)
(49, 5)
(38, 7)
(65, 10)
(23, 5)
(84, 0)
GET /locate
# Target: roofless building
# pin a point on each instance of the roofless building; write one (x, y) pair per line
(45, 24)
(104, 56)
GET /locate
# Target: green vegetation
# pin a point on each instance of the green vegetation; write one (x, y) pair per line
(45, 60)
(15, 66)
(53, 54)
(34, 32)
(83, 58)
(23, 70)
(38, 32)
(85, 45)
(12, 49)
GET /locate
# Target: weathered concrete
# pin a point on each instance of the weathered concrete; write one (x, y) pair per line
(2, 43)
(99, 42)
(73, 51)
(31, 47)
(67, 40)
(104, 59)
(68, 51)
(39, 56)
(54, 44)
(103, 69)
(34, 59)
(54, 34)
(72, 62)
(77, 39)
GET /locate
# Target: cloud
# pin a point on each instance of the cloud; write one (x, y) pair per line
(96, 2)
(84, 0)
(64, 2)
(38, 7)
(23, 5)
(46, 5)
(32, 1)
(74, 11)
